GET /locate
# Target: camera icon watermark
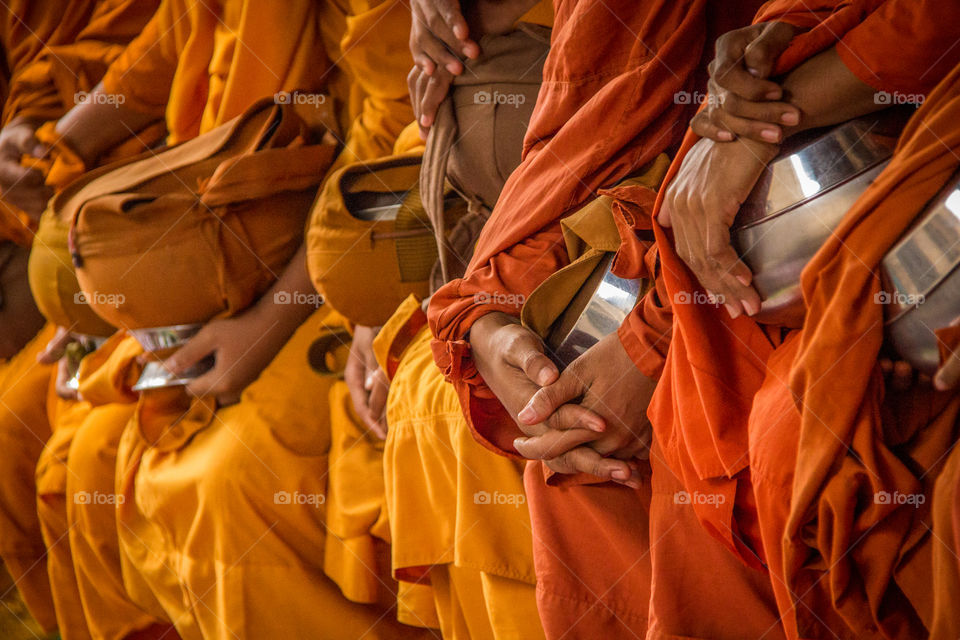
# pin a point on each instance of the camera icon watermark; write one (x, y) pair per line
(685, 497)
(297, 97)
(311, 299)
(897, 498)
(298, 498)
(496, 98)
(86, 97)
(485, 498)
(515, 300)
(698, 297)
(98, 497)
(115, 300)
(899, 298)
(888, 98)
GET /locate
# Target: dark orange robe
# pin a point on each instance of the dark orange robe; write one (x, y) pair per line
(793, 429)
(604, 112)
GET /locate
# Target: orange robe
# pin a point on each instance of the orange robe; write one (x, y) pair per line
(51, 50)
(199, 66)
(781, 428)
(621, 97)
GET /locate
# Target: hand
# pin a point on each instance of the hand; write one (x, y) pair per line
(438, 29)
(242, 347)
(604, 380)
(899, 376)
(700, 205)
(427, 91)
(513, 364)
(24, 188)
(743, 102)
(367, 382)
(56, 353)
(948, 375)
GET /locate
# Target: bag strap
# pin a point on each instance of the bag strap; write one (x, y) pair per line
(433, 174)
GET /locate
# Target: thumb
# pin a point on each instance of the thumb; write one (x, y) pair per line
(196, 349)
(762, 54)
(526, 353)
(550, 398)
(56, 348)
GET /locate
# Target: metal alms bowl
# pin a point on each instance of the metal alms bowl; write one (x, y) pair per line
(801, 197)
(158, 339)
(921, 281)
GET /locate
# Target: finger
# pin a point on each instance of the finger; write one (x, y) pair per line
(56, 348)
(208, 384)
(457, 24)
(731, 276)
(731, 73)
(771, 112)
(63, 379)
(586, 460)
(903, 376)
(377, 400)
(437, 50)
(353, 375)
(526, 353)
(552, 444)
(762, 53)
(705, 128)
(549, 404)
(196, 349)
(436, 89)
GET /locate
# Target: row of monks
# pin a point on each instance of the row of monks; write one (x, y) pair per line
(694, 474)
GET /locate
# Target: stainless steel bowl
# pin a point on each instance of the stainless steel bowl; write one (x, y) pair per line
(155, 339)
(600, 306)
(801, 198)
(921, 280)
(87, 345)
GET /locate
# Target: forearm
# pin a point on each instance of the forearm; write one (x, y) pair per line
(827, 92)
(98, 124)
(290, 300)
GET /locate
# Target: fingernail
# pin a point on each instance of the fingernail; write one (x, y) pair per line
(424, 121)
(773, 95)
(750, 307)
(732, 310)
(770, 135)
(939, 383)
(726, 136)
(518, 442)
(595, 425)
(744, 280)
(453, 68)
(543, 378)
(753, 72)
(620, 474)
(790, 118)
(527, 414)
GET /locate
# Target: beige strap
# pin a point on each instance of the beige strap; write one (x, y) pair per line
(433, 174)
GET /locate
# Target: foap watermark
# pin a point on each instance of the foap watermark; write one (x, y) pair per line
(697, 97)
(297, 498)
(899, 298)
(890, 99)
(99, 298)
(685, 497)
(98, 497)
(496, 297)
(312, 299)
(913, 499)
(296, 97)
(512, 99)
(485, 497)
(97, 97)
(698, 297)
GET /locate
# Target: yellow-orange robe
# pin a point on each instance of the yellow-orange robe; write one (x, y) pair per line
(207, 70)
(52, 50)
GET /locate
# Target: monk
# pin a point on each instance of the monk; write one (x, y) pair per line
(53, 53)
(251, 567)
(765, 490)
(499, 365)
(465, 563)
